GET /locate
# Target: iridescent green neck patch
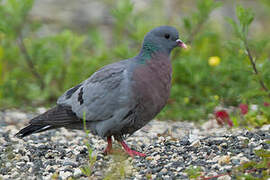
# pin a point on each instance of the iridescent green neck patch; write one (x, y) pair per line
(147, 50)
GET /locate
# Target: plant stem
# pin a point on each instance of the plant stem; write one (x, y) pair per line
(29, 61)
(252, 61)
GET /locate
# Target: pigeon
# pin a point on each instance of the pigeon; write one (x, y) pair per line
(119, 98)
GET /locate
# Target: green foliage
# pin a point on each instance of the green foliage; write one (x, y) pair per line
(260, 94)
(204, 8)
(193, 172)
(248, 170)
(245, 17)
(257, 118)
(35, 69)
(13, 14)
(88, 169)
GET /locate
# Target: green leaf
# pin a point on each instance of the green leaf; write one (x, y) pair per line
(187, 24)
(235, 27)
(245, 16)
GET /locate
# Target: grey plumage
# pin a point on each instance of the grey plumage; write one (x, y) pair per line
(121, 97)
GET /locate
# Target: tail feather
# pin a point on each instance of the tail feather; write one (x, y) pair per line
(30, 129)
(55, 117)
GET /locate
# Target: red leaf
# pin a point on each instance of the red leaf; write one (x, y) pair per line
(243, 108)
(266, 104)
(223, 117)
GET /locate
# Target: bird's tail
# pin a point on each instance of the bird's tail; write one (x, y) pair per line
(55, 117)
(30, 129)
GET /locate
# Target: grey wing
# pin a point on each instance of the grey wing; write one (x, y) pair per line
(105, 95)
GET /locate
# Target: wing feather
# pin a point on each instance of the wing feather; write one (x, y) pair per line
(102, 96)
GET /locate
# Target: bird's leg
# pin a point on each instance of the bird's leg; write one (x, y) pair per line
(130, 151)
(109, 146)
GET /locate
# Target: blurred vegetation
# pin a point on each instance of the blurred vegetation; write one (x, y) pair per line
(215, 71)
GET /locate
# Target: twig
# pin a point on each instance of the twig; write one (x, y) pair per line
(29, 61)
(252, 61)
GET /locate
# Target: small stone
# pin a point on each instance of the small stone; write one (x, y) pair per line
(226, 177)
(265, 127)
(156, 170)
(98, 173)
(196, 143)
(164, 170)
(15, 175)
(70, 163)
(235, 161)
(154, 162)
(8, 164)
(166, 177)
(49, 155)
(258, 147)
(179, 169)
(65, 175)
(20, 164)
(224, 160)
(77, 172)
(224, 145)
(243, 160)
(138, 176)
(157, 157)
(184, 141)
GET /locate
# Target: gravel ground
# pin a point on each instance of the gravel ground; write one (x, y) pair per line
(171, 148)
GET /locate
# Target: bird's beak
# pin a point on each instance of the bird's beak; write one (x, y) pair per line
(181, 44)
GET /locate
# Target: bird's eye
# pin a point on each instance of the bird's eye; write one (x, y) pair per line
(167, 36)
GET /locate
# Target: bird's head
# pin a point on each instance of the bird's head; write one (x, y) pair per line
(162, 38)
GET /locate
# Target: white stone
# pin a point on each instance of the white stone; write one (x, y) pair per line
(265, 127)
(77, 172)
(15, 175)
(258, 147)
(215, 159)
(47, 177)
(196, 143)
(138, 176)
(65, 175)
(164, 170)
(193, 137)
(154, 162)
(224, 160)
(157, 157)
(243, 160)
(8, 164)
(226, 177)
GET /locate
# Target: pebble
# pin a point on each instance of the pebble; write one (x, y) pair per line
(70, 163)
(196, 143)
(226, 177)
(77, 172)
(65, 175)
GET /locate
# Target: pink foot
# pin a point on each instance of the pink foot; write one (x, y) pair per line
(109, 146)
(130, 151)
